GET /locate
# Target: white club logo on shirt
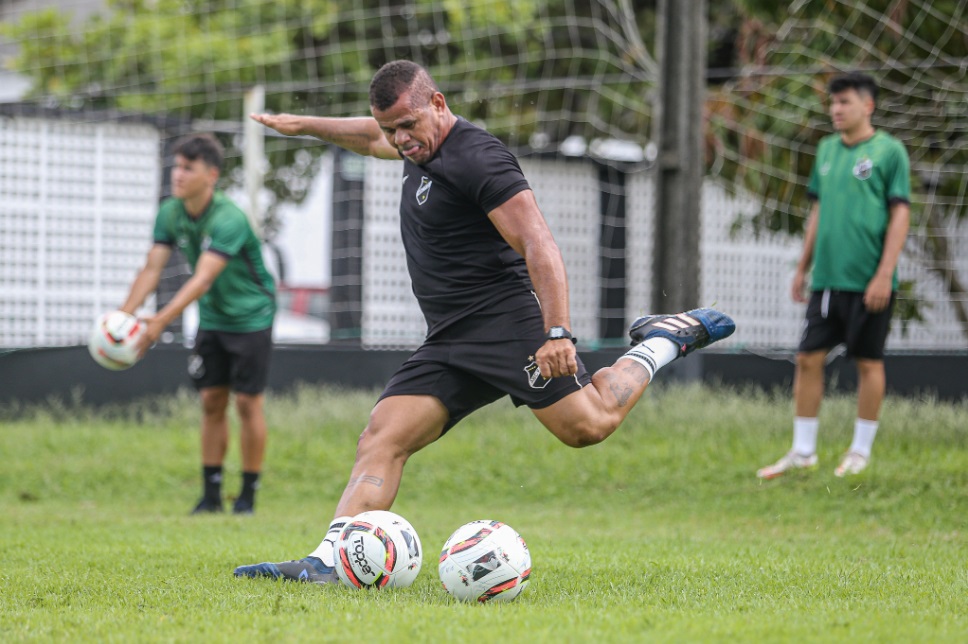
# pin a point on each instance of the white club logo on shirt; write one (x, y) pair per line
(863, 168)
(423, 192)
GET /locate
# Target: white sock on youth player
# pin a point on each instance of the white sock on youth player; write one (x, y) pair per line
(326, 548)
(864, 433)
(805, 435)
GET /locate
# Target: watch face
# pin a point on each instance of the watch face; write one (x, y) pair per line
(556, 332)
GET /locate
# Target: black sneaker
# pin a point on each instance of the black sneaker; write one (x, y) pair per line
(208, 506)
(243, 506)
(690, 330)
(308, 569)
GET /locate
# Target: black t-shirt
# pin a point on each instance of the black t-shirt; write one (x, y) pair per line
(459, 263)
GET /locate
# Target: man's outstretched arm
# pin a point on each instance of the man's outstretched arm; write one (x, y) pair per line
(356, 134)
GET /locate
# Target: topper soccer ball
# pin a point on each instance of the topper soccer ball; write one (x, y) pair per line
(485, 561)
(113, 340)
(378, 549)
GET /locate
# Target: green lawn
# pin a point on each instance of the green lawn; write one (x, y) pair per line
(662, 533)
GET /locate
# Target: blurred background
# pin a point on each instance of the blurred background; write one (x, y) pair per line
(668, 145)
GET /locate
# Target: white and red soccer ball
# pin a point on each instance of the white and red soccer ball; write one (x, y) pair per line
(485, 561)
(114, 339)
(378, 549)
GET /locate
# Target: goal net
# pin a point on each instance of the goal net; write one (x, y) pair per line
(567, 84)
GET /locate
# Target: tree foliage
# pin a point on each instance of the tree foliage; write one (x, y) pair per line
(521, 67)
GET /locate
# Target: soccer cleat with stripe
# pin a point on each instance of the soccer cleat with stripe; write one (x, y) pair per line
(853, 463)
(307, 569)
(789, 461)
(690, 330)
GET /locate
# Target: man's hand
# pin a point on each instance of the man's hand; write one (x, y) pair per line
(877, 296)
(288, 124)
(798, 289)
(557, 358)
(153, 329)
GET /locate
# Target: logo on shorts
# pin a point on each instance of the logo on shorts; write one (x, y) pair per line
(196, 366)
(535, 379)
(863, 168)
(423, 192)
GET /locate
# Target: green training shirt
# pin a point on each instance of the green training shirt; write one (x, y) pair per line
(243, 296)
(856, 186)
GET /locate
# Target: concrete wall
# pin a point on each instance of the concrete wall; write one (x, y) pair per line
(33, 376)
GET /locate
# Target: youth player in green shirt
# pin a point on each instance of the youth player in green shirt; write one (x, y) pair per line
(236, 302)
(859, 220)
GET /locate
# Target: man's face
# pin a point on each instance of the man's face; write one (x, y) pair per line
(850, 110)
(415, 130)
(190, 179)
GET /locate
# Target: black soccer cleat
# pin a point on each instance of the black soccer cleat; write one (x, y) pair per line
(208, 506)
(308, 569)
(243, 506)
(690, 330)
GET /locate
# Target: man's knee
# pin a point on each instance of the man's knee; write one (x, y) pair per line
(214, 401)
(869, 368)
(248, 405)
(812, 361)
(586, 432)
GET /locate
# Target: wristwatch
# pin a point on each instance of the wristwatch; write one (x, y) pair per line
(560, 333)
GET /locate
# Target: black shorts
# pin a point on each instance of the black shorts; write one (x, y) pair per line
(840, 317)
(468, 365)
(228, 359)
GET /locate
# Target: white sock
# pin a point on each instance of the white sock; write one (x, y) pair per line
(864, 433)
(325, 549)
(805, 435)
(653, 354)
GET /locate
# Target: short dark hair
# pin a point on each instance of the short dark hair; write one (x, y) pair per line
(396, 78)
(200, 146)
(862, 83)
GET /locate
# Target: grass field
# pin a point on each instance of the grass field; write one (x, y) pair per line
(662, 533)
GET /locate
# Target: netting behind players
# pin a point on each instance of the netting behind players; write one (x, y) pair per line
(568, 85)
(766, 124)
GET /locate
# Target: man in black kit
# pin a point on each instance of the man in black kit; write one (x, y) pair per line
(481, 259)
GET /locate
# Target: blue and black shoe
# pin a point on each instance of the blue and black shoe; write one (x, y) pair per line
(243, 506)
(307, 569)
(690, 330)
(208, 506)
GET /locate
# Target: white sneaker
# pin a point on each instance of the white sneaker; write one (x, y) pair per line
(790, 461)
(853, 463)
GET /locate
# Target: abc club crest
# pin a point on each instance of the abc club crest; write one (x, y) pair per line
(423, 192)
(863, 168)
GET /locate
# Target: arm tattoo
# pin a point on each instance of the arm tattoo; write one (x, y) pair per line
(366, 478)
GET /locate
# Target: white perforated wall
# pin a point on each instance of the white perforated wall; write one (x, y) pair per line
(77, 202)
(640, 222)
(391, 317)
(749, 276)
(567, 195)
(745, 274)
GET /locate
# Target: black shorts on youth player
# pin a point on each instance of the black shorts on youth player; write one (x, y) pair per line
(840, 317)
(483, 358)
(227, 359)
